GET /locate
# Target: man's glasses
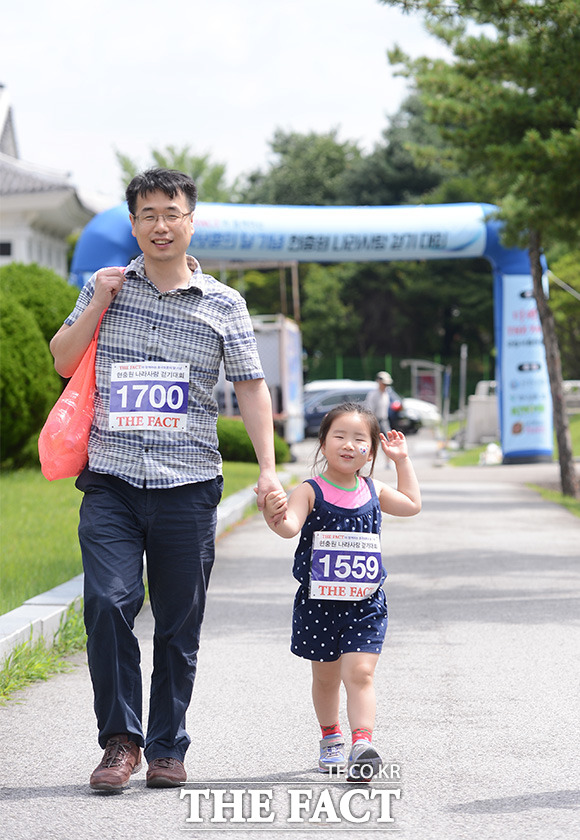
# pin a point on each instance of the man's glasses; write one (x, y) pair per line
(172, 219)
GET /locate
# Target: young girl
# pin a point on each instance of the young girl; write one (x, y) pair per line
(340, 610)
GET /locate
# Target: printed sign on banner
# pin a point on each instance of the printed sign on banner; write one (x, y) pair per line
(149, 395)
(335, 234)
(526, 403)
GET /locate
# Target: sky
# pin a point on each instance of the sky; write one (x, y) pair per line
(219, 76)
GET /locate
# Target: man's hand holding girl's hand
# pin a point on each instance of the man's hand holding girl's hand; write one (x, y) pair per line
(275, 507)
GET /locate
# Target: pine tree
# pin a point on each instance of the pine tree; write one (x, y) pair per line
(509, 107)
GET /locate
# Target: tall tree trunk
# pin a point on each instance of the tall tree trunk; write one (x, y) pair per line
(567, 473)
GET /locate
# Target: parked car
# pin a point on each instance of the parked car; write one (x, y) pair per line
(428, 413)
(318, 401)
(317, 386)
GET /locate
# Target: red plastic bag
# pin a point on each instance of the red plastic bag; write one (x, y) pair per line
(63, 441)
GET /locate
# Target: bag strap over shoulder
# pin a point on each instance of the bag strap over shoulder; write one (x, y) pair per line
(96, 332)
(88, 357)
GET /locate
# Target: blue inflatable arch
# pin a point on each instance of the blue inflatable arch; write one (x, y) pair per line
(259, 233)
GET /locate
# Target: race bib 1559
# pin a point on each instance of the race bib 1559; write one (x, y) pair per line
(345, 565)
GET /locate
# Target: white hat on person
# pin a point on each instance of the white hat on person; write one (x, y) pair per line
(383, 376)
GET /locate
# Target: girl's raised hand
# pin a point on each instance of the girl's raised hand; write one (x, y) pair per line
(394, 445)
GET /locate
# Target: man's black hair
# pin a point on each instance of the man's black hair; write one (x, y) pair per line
(168, 181)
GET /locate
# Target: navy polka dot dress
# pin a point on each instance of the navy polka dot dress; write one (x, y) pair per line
(324, 630)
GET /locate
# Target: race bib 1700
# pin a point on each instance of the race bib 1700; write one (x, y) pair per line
(345, 565)
(149, 395)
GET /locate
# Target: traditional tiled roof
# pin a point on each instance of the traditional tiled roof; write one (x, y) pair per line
(8, 143)
(41, 198)
(17, 177)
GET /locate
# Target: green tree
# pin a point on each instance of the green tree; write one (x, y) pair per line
(391, 174)
(509, 106)
(329, 324)
(307, 169)
(422, 309)
(209, 177)
(261, 290)
(564, 277)
(412, 164)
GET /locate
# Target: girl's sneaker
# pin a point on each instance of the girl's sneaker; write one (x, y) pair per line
(332, 754)
(364, 762)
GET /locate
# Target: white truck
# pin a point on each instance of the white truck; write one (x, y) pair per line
(280, 348)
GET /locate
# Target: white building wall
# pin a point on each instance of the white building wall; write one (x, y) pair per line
(31, 246)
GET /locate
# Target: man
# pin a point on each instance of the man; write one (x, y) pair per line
(379, 400)
(153, 481)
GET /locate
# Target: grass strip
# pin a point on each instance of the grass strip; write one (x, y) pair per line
(39, 522)
(571, 504)
(39, 519)
(36, 660)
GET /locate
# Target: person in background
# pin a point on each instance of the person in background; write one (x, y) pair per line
(379, 400)
(153, 480)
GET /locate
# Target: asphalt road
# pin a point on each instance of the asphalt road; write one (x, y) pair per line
(477, 689)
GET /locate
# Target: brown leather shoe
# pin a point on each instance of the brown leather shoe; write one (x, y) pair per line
(121, 759)
(166, 773)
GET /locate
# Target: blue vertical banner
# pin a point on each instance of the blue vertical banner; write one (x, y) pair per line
(525, 400)
(524, 396)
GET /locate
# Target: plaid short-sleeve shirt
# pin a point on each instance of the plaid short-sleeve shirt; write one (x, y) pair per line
(201, 325)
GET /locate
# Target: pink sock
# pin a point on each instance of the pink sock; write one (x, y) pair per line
(362, 735)
(328, 731)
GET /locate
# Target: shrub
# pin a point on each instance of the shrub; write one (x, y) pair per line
(29, 385)
(35, 302)
(42, 292)
(235, 443)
